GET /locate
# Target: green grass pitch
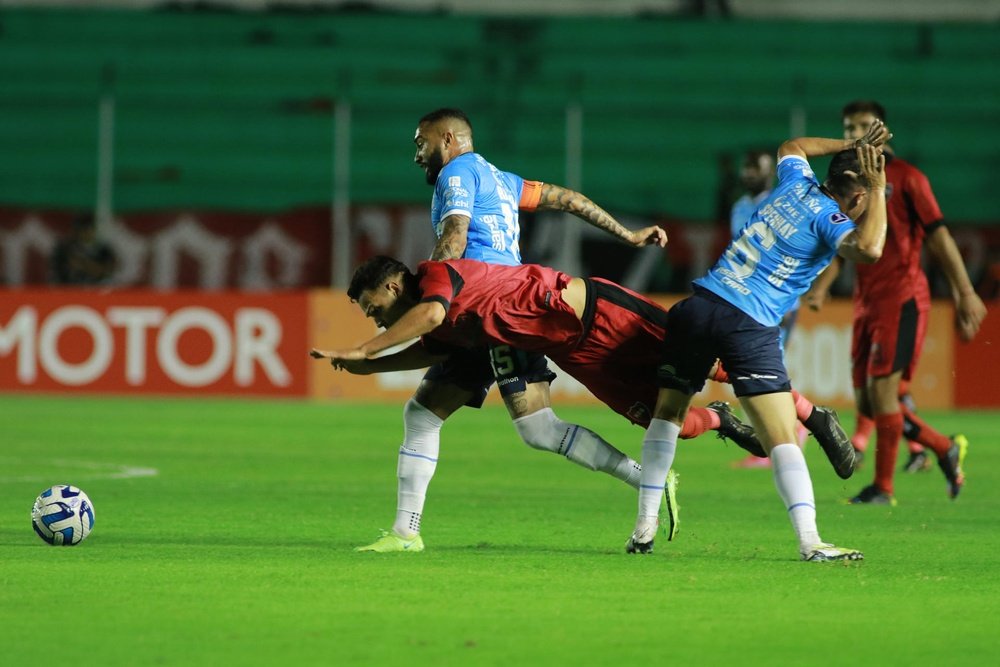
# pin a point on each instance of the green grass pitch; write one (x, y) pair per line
(239, 550)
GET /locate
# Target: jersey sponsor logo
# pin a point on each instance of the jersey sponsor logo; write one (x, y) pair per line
(458, 203)
(789, 212)
(784, 270)
(454, 181)
(456, 197)
(839, 218)
(729, 282)
(803, 191)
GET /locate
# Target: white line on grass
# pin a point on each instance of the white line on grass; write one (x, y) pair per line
(77, 470)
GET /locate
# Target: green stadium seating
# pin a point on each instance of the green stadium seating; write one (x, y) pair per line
(233, 110)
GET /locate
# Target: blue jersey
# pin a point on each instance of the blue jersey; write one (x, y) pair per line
(743, 209)
(471, 186)
(789, 239)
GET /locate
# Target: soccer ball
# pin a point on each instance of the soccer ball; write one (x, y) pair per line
(63, 515)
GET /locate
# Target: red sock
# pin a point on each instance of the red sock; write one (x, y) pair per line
(926, 435)
(698, 421)
(721, 375)
(889, 430)
(803, 407)
(863, 427)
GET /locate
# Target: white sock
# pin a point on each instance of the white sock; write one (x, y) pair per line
(545, 431)
(417, 461)
(791, 476)
(658, 448)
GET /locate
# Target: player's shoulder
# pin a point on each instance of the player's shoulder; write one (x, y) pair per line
(903, 170)
(825, 210)
(794, 166)
(834, 216)
(456, 186)
(436, 272)
(464, 165)
(893, 161)
(432, 264)
(470, 161)
(793, 160)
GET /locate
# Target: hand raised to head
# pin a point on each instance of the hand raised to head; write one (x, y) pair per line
(872, 165)
(877, 135)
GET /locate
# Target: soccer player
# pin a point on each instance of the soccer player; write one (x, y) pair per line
(756, 177)
(602, 334)
(735, 310)
(891, 304)
(474, 214)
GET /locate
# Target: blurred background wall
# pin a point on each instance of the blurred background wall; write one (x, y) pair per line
(261, 146)
(263, 149)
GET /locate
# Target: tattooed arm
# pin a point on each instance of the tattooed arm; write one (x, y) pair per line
(554, 197)
(454, 234)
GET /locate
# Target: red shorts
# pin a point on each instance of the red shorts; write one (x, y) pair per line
(887, 338)
(620, 350)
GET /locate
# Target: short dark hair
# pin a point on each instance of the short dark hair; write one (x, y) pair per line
(446, 112)
(864, 106)
(844, 177)
(374, 272)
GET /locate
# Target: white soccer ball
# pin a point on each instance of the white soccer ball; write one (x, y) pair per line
(63, 515)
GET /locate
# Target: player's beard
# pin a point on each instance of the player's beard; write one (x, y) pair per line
(433, 166)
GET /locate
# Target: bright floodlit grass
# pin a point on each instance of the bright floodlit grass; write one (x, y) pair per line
(239, 550)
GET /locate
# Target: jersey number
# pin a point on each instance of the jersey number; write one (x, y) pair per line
(501, 356)
(743, 267)
(513, 229)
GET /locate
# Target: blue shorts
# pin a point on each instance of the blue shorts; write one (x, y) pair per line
(475, 370)
(705, 327)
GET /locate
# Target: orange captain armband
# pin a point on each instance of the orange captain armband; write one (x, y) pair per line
(531, 193)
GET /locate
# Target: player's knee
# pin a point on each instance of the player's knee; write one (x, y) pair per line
(417, 418)
(541, 430)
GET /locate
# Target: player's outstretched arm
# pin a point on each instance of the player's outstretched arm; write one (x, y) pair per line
(878, 134)
(970, 311)
(813, 147)
(558, 198)
(413, 357)
(417, 321)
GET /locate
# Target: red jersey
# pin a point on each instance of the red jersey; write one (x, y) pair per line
(912, 211)
(493, 304)
(614, 350)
